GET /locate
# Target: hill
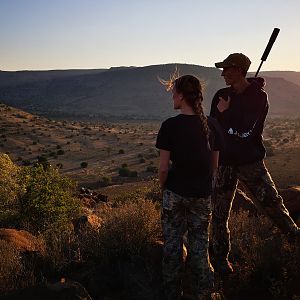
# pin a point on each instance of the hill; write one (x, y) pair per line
(287, 75)
(122, 93)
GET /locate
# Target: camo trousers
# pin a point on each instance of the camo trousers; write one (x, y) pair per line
(257, 180)
(181, 215)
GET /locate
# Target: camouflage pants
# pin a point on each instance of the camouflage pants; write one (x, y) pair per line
(181, 215)
(257, 180)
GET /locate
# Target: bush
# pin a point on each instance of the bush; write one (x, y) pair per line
(121, 151)
(60, 152)
(125, 172)
(9, 186)
(10, 267)
(48, 198)
(128, 229)
(105, 181)
(62, 247)
(84, 164)
(43, 161)
(263, 258)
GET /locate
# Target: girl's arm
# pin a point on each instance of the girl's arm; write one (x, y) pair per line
(164, 158)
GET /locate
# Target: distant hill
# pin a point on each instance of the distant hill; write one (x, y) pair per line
(287, 75)
(124, 92)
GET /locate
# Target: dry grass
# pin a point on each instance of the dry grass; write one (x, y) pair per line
(266, 263)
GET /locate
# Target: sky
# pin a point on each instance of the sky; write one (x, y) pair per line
(91, 34)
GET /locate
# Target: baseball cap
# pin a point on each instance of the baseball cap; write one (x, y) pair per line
(235, 60)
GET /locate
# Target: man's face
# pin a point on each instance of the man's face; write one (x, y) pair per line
(177, 99)
(231, 75)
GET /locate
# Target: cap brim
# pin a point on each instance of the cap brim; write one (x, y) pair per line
(222, 64)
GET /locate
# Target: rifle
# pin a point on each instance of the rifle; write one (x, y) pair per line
(268, 48)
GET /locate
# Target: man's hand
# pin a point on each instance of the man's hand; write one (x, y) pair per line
(223, 104)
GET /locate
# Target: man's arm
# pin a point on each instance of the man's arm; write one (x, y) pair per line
(251, 118)
(164, 158)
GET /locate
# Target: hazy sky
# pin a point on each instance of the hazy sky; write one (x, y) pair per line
(68, 34)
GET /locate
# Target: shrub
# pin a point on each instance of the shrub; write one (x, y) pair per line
(48, 198)
(42, 160)
(105, 181)
(60, 152)
(84, 164)
(154, 192)
(128, 229)
(121, 151)
(125, 172)
(10, 267)
(263, 258)
(9, 187)
(142, 160)
(61, 247)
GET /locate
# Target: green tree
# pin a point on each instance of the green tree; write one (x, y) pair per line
(9, 187)
(48, 198)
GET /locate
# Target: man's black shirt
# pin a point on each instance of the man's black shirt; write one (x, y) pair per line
(242, 123)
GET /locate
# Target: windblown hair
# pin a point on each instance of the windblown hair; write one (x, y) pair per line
(191, 89)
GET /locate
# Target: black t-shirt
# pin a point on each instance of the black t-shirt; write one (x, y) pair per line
(190, 171)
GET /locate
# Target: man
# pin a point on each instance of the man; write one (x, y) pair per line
(241, 110)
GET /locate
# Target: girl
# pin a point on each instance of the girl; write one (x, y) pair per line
(186, 183)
